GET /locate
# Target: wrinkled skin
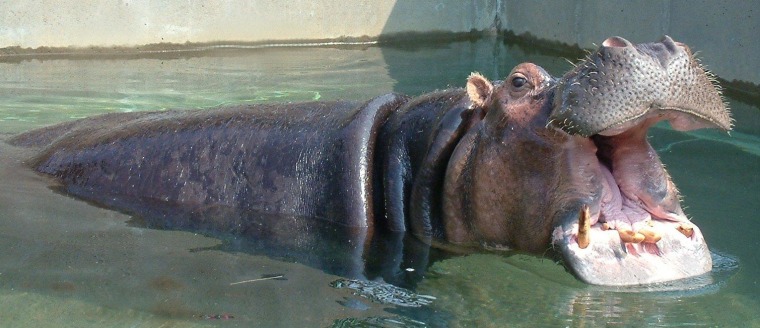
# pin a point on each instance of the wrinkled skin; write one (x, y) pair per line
(532, 163)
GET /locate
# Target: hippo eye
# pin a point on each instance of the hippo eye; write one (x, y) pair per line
(518, 81)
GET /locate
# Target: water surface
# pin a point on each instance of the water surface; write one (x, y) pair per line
(69, 263)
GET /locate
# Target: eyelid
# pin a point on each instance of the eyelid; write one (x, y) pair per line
(518, 76)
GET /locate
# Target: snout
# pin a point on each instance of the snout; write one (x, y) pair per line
(623, 84)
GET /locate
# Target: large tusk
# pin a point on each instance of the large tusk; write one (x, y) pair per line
(628, 236)
(584, 227)
(686, 229)
(650, 236)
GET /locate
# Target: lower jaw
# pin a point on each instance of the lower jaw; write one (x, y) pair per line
(609, 261)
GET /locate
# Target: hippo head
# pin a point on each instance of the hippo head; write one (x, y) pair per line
(565, 164)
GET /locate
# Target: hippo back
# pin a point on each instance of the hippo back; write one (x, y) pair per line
(301, 160)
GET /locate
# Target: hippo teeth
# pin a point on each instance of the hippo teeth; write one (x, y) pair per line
(650, 236)
(644, 235)
(605, 226)
(628, 236)
(686, 229)
(584, 227)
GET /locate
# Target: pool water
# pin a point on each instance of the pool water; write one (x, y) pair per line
(67, 263)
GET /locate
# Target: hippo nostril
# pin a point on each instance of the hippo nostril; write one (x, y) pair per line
(616, 42)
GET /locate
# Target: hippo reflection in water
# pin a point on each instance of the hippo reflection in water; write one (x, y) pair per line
(532, 164)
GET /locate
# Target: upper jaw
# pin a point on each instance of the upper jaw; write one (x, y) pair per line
(621, 84)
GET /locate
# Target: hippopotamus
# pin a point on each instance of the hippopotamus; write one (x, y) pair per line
(532, 163)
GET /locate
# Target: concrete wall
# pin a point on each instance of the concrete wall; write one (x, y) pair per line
(62, 23)
(725, 32)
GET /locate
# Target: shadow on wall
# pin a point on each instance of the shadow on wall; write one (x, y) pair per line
(472, 42)
(415, 66)
(443, 15)
(729, 50)
(417, 61)
(462, 38)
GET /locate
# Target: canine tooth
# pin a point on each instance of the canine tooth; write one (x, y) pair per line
(628, 236)
(650, 236)
(584, 227)
(605, 226)
(686, 229)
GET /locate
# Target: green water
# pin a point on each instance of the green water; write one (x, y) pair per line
(67, 263)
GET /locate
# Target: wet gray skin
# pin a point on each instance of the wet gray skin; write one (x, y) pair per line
(529, 163)
(631, 229)
(621, 85)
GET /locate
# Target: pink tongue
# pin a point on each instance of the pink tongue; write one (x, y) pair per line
(619, 211)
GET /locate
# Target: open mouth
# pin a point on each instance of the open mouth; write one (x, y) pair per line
(634, 232)
(635, 187)
(631, 230)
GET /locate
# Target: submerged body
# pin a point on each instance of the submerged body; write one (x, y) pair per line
(522, 164)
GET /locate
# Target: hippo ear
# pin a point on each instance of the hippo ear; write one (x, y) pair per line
(478, 89)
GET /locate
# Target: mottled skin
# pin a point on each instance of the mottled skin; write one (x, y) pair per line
(495, 165)
(622, 84)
